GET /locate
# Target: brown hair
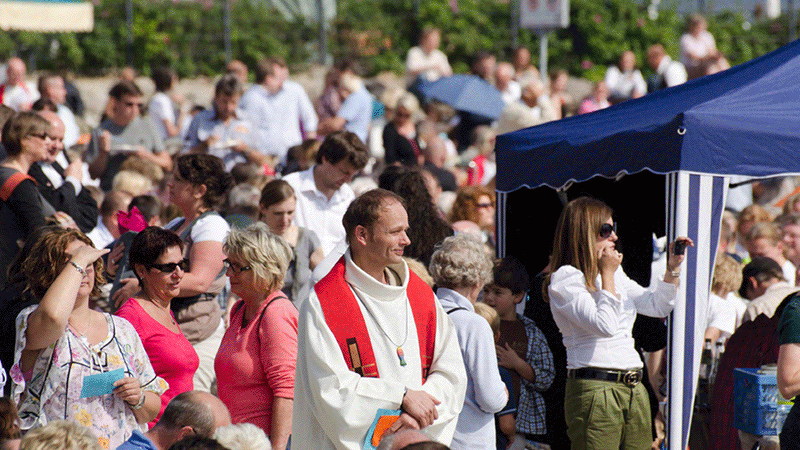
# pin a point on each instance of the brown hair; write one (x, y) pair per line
(264, 67)
(124, 88)
(366, 209)
(21, 126)
(209, 171)
(343, 145)
(48, 258)
(465, 206)
(576, 232)
(9, 419)
(274, 192)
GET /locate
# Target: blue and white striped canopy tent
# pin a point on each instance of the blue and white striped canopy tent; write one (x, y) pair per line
(743, 121)
(46, 15)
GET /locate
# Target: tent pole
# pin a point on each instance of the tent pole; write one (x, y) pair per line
(543, 37)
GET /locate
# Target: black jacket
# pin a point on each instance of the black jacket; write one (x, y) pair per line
(82, 207)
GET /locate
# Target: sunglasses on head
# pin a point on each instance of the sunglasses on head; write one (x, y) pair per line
(170, 267)
(606, 229)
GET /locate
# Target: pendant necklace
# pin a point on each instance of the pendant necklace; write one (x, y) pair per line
(400, 354)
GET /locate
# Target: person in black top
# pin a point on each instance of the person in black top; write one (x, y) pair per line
(60, 183)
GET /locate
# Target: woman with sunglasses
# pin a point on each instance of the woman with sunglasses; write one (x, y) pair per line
(156, 257)
(256, 359)
(594, 305)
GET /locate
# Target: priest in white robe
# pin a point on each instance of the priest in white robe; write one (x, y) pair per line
(334, 406)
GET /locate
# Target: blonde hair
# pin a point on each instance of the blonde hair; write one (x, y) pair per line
(764, 230)
(490, 314)
(419, 270)
(62, 435)
(268, 254)
(788, 206)
(727, 275)
(576, 233)
(133, 183)
(755, 213)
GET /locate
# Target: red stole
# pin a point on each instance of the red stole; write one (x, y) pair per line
(344, 318)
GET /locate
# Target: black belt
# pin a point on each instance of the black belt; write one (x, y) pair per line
(629, 377)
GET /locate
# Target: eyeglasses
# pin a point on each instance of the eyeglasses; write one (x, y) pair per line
(170, 267)
(606, 229)
(236, 268)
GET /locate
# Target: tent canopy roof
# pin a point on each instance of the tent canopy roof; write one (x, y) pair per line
(743, 121)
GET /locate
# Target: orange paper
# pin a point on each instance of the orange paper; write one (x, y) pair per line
(380, 428)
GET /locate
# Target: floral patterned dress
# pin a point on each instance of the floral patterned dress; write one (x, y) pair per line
(53, 390)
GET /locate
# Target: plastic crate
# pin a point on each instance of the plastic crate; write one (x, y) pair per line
(755, 399)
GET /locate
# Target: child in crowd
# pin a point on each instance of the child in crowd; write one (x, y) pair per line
(522, 349)
(505, 420)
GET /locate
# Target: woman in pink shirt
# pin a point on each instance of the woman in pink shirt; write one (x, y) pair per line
(156, 256)
(256, 359)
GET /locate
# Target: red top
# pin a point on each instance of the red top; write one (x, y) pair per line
(255, 362)
(172, 356)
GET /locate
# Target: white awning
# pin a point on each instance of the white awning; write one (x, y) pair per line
(46, 16)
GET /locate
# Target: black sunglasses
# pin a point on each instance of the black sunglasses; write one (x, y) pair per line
(606, 229)
(170, 267)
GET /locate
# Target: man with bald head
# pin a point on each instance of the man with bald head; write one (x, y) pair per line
(193, 413)
(60, 181)
(17, 93)
(52, 87)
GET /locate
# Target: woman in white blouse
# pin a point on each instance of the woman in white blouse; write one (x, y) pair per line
(594, 305)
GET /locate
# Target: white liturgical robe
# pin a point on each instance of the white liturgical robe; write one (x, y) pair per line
(333, 406)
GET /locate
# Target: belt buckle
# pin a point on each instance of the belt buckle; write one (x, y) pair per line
(631, 378)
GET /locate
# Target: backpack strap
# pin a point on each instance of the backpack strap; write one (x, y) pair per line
(11, 183)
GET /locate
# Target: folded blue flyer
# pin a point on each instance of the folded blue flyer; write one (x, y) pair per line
(100, 383)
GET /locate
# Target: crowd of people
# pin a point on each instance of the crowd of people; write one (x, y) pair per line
(269, 271)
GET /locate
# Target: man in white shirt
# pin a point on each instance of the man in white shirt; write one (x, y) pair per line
(426, 61)
(16, 92)
(322, 192)
(51, 86)
(372, 337)
(626, 81)
(107, 229)
(509, 89)
(668, 72)
(279, 109)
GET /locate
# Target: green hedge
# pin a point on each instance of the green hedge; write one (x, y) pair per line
(189, 35)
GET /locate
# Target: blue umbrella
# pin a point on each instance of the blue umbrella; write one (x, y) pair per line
(466, 93)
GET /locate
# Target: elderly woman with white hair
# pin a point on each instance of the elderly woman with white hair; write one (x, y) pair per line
(256, 359)
(461, 267)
